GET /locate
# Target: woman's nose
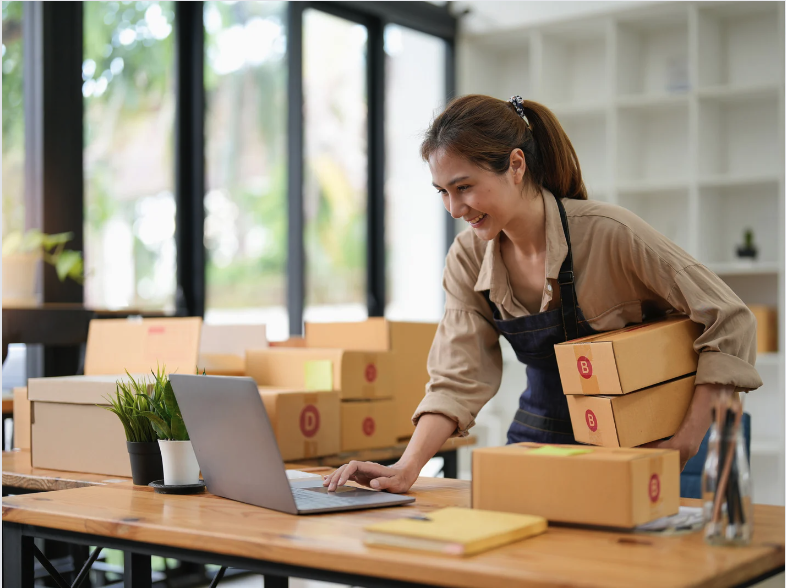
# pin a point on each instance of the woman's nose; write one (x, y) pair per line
(456, 208)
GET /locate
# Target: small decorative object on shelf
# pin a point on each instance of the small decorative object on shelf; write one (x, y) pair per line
(726, 481)
(748, 249)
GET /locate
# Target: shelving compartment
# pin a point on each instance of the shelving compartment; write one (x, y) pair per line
(496, 68)
(724, 215)
(652, 54)
(574, 66)
(587, 134)
(652, 145)
(739, 137)
(738, 44)
(666, 211)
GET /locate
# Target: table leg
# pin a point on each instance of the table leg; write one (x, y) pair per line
(137, 571)
(450, 466)
(276, 581)
(18, 562)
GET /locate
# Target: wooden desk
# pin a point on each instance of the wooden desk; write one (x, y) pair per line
(329, 547)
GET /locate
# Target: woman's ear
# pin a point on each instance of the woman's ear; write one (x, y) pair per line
(518, 165)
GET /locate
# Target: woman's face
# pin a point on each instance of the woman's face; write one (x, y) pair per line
(488, 202)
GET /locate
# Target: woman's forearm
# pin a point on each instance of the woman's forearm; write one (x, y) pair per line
(430, 434)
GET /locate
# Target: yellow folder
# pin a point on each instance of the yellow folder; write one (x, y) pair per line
(455, 531)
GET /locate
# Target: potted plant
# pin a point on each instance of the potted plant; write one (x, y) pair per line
(22, 254)
(177, 454)
(131, 400)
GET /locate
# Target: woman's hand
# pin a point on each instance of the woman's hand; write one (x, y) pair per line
(687, 450)
(396, 478)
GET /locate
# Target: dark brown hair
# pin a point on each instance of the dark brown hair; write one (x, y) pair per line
(485, 131)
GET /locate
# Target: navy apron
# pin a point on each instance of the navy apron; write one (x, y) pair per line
(543, 415)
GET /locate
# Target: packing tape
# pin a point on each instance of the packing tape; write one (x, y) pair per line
(310, 449)
(587, 378)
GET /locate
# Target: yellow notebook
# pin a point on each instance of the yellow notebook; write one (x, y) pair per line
(455, 531)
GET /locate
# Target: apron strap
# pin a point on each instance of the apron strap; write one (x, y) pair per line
(567, 289)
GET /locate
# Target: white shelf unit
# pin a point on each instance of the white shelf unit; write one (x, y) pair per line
(676, 112)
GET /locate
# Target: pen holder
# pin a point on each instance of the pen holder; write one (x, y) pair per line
(726, 481)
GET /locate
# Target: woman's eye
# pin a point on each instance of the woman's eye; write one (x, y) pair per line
(462, 188)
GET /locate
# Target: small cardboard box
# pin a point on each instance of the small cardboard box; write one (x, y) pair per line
(367, 424)
(575, 484)
(353, 374)
(632, 419)
(766, 328)
(306, 423)
(409, 344)
(21, 419)
(633, 358)
(68, 431)
(222, 348)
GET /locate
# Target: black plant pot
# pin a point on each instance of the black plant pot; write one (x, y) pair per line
(146, 465)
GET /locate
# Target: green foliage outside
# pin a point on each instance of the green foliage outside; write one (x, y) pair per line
(67, 263)
(13, 120)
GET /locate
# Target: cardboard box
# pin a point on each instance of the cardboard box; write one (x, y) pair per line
(633, 358)
(366, 424)
(409, 345)
(68, 431)
(291, 342)
(306, 423)
(21, 419)
(575, 484)
(222, 348)
(138, 345)
(632, 419)
(353, 374)
(766, 328)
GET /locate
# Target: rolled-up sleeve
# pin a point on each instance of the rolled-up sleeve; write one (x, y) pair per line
(465, 361)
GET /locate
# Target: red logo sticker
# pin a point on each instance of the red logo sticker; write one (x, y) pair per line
(592, 420)
(369, 426)
(654, 488)
(309, 421)
(156, 330)
(371, 373)
(585, 367)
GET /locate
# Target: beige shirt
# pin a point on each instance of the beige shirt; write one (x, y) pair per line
(625, 272)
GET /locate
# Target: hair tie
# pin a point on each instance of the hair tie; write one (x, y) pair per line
(518, 104)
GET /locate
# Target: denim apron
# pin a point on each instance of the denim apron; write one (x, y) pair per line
(543, 415)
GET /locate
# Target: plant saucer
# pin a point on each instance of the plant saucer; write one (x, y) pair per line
(162, 488)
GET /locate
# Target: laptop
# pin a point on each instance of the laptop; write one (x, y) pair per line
(237, 451)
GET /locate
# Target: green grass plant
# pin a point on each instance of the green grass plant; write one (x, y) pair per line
(130, 402)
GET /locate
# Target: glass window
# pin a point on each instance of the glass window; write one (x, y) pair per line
(415, 216)
(129, 106)
(246, 165)
(336, 167)
(13, 120)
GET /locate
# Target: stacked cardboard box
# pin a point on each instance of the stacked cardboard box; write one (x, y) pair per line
(222, 348)
(408, 345)
(361, 380)
(583, 485)
(69, 426)
(631, 386)
(766, 328)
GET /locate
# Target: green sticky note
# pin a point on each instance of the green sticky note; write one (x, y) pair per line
(319, 374)
(560, 451)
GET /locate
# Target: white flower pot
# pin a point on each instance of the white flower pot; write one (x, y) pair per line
(20, 271)
(180, 463)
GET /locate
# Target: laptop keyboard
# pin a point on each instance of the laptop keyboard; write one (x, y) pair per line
(319, 498)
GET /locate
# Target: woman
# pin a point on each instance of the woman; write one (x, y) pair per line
(540, 265)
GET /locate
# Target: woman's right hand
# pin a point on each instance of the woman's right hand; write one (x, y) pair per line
(396, 478)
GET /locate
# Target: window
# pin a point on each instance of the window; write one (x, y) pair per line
(246, 167)
(129, 113)
(415, 216)
(335, 190)
(13, 121)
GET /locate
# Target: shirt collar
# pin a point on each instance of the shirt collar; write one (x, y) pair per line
(493, 273)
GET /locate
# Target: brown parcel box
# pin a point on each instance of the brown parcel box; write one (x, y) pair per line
(609, 487)
(97, 444)
(766, 328)
(69, 432)
(409, 343)
(633, 358)
(222, 348)
(306, 423)
(356, 374)
(367, 424)
(21, 418)
(632, 419)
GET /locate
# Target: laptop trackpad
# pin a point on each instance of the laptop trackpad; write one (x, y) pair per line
(342, 491)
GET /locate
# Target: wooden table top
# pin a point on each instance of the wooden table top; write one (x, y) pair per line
(564, 556)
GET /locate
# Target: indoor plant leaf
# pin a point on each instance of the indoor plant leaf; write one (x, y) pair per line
(159, 424)
(179, 432)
